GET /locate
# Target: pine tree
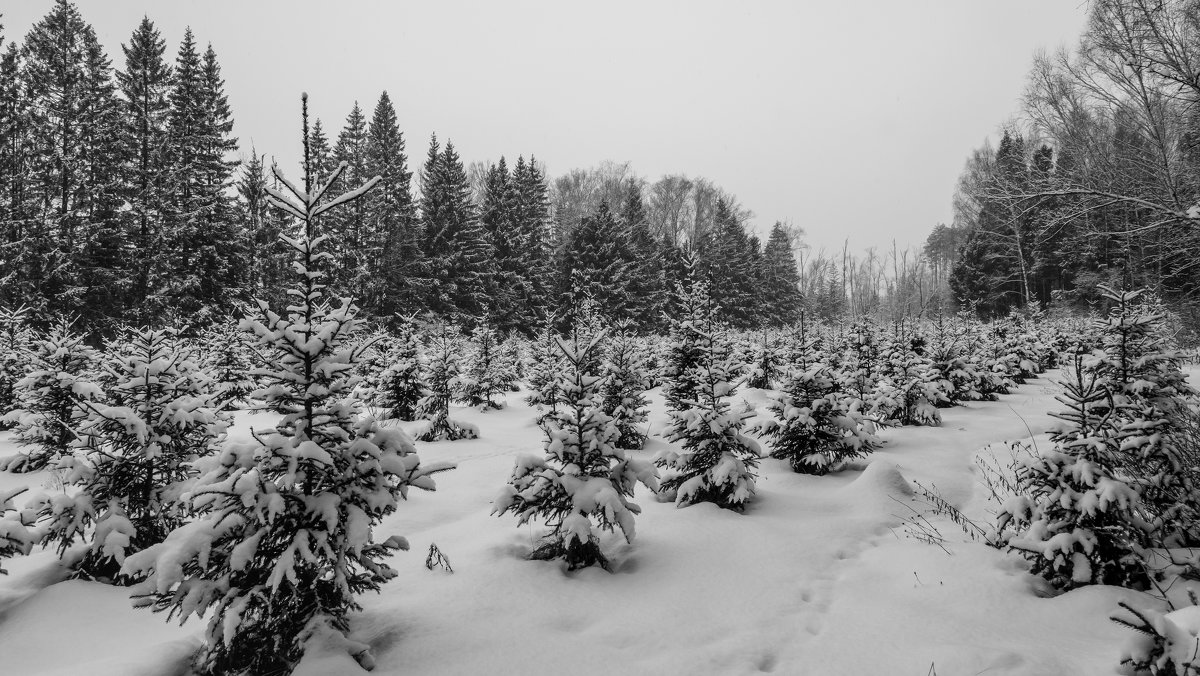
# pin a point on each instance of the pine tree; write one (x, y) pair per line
(717, 461)
(285, 542)
(694, 312)
(625, 382)
(583, 476)
(646, 288)
(17, 534)
(595, 263)
(49, 398)
(134, 454)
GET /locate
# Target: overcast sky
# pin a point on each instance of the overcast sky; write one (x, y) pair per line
(851, 119)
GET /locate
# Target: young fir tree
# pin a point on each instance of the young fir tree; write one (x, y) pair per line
(764, 371)
(717, 461)
(583, 476)
(817, 427)
(442, 373)
(49, 398)
(134, 455)
(1075, 518)
(15, 341)
(285, 540)
(487, 374)
(401, 385)
(623, 395)
(545, 366)
(228, 355)
(17, 532)
(1150, 396)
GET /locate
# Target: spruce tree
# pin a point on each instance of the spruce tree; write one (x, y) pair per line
(780, 289)
(135, 453)
(1075, 519)
(347, 227)
(456, 251)
(487, 375)
(625, 383)
(50, 397)
(16, 339)
(401, 383)
(817, 427)
(582, 483)
(717, 461)
(545, 367)
(145, 83)
(285, 542)
(393, 267)
(443, 376)
(531, 219)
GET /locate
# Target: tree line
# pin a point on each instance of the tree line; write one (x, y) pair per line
(122, 205)
(1096, 180)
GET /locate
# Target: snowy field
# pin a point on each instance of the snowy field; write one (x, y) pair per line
(818, 576)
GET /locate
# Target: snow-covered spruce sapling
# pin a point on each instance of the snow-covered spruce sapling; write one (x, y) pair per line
(1150, 397)
(1166, 643)
(401, 386)
(717, 462)
(442, 377)
(49, 398)
(135, 454)
(487, 375)
(229, 357)
(16, 338)
(582, 483)
(816, 427)
(625, 385)
(1075, 519)
(764, 370)
(17, 535)
(285, 540)
(545, 368)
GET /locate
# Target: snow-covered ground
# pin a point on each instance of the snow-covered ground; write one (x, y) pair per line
(817, 577)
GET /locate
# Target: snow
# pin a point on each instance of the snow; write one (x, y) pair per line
(816, 576)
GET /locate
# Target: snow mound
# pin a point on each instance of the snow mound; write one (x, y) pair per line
(107, 636)
(882, 478)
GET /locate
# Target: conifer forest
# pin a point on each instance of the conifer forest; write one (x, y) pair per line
(339, 407)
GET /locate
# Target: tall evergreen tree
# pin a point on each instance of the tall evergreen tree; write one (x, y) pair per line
(145, 84)
(456, 252)
(393, 247)
(347, 227)
(780, 289)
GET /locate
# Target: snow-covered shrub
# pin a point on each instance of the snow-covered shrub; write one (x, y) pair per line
(815, 427)
(910, 391)
(583, 481)
(285, 539)
(717, 461)
(134, 454)
(625, 383)
(50, 398)
(442, 378)
(1076, 518)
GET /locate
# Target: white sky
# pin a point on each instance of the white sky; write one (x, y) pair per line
(850, 119)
